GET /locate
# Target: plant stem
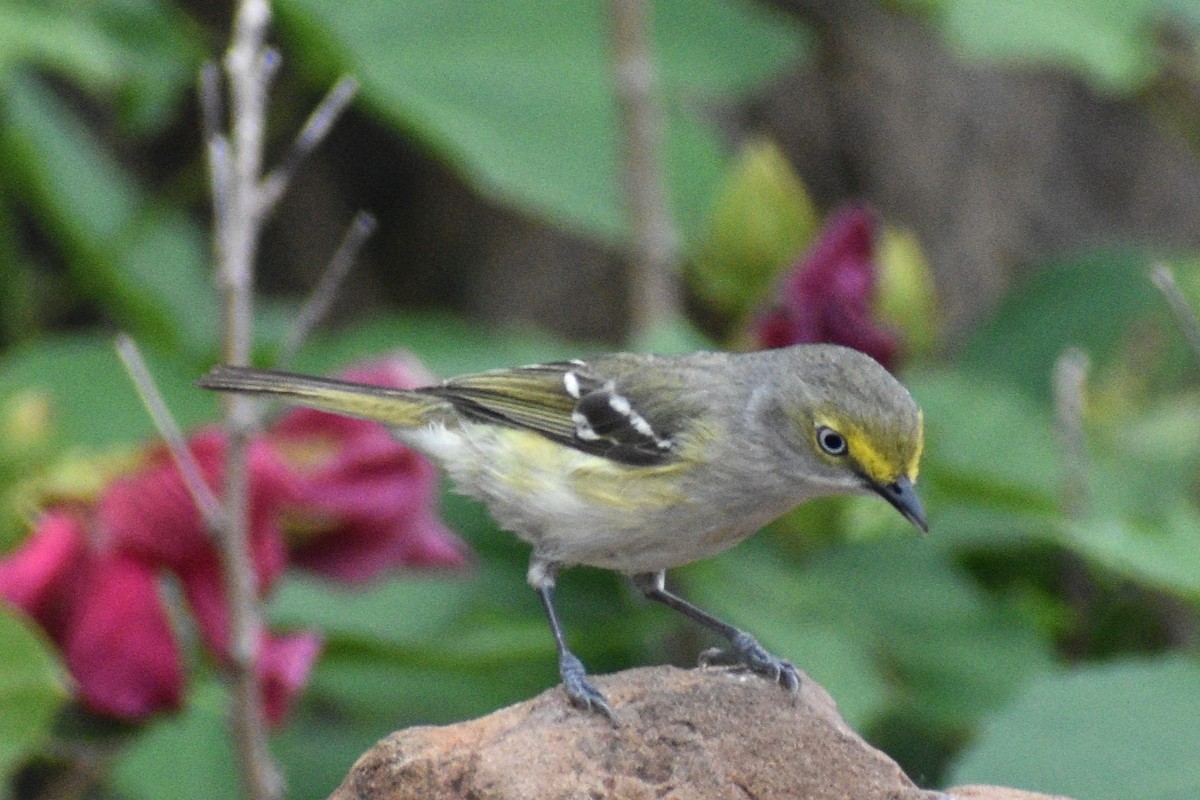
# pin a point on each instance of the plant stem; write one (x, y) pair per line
(319, 302)
(242, 201)
(1070, 387)
(1162, 278)
(237, 222)
(654, 245)
(193, 479)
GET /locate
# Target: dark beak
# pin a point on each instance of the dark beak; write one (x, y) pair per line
(903, 497)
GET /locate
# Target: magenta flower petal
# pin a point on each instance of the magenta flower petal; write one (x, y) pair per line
(204, 589)
(37, 576)
(828, 295)
(151, 516)
(363, 503)
(371, 547)
(284, 664)
(120, 646)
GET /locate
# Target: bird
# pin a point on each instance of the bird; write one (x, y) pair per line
(641, 463)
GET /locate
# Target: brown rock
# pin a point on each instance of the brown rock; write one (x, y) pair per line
(691, 734)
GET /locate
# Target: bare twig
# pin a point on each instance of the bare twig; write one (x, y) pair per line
(242, 200)
(315, 129)
(1185, 315)
(220, 165)
(236, 229)
(655, 243)
(1070, 387)
(322, 296)
(169, 430)
(1070, 384)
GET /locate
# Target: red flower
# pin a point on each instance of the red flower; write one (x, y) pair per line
(284, 663)
(827, 296)
(151, 515)
(355, 503)
(102, 608)
(120, 646)
(38, 576)
(364, 503)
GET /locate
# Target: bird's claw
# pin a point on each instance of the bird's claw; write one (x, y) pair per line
(749, 653)
(580, 690)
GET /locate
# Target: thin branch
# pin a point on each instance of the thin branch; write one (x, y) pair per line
(654, 246)
(322, 296)
(1070, 389)
(1070, 386)
(249, 68)
(1161, 277)
(220, 165)
(315, 129)
(169, 430)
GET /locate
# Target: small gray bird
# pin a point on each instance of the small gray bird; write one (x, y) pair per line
(641, 463)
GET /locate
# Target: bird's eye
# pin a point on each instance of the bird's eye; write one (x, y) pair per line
(831, 441)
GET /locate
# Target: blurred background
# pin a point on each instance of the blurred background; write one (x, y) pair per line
(1013, 173)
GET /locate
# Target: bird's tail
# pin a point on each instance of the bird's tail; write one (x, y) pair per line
(395, 407)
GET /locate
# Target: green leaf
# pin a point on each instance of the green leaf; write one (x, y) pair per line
(1111, 42)
(32, 689)
(979, 429)
(140, 52)
(92, 401)
(906, 299)
(517, 96)
(148, 265)
(186, 757)
(1163, 553)
(1088, 302)
(394, 690)
(317, 749)
(990, 472)
(406, 609)
(1110, 732)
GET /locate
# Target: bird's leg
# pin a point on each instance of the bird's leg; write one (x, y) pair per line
(574, 676)
(745, 647)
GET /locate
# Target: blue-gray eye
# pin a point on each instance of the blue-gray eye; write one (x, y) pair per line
(831, 441)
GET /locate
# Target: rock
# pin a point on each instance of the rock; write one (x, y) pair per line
(694, 734)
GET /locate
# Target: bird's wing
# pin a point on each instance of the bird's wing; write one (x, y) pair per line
(571, 402)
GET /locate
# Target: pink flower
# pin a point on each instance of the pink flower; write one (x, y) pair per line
(284, 663)
(364, 503)
(102, 608)
(352, 501)
(120, 646)
(38, 576)
(827, 296)
(150, 514)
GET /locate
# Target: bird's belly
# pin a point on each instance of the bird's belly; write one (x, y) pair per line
(576, 508)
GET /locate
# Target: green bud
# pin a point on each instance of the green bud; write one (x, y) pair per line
(905, 299)
(761, 220)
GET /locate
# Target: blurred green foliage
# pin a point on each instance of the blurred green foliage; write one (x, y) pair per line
(525, 112)
(1113, 43)
(32, 689)
(1114, 730)
(971, 653)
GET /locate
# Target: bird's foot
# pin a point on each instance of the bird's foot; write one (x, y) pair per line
(746, 650)
(580, 690)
